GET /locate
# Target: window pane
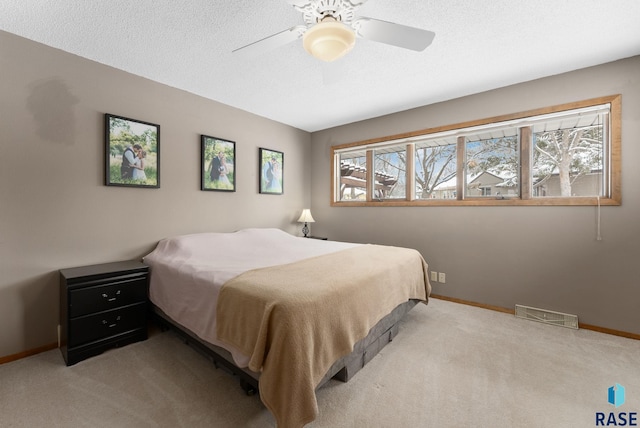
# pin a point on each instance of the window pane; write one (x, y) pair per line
(390, 173)
(436, 169)
(567, 158)
(492, 164)
(353, 176)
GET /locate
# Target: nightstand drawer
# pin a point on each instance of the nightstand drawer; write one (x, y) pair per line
(112, 295)
(105, 324)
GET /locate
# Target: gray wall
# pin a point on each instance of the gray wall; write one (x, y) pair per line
(55, 211)
(545, 257)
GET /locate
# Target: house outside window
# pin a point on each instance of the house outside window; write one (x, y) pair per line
(492, 163)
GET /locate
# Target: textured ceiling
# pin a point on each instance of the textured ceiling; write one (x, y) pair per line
(187, 44)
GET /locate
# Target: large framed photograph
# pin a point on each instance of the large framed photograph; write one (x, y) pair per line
(132, 152)
(218, 164)
(271, 171)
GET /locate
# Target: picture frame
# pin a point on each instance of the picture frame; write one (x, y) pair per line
(271, 171)
(217, 164)
(132, 152)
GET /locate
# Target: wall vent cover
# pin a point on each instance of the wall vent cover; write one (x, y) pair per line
(547, 317)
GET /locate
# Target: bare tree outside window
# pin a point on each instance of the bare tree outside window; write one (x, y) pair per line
(435, 171)
(568, 162)
(390, 173)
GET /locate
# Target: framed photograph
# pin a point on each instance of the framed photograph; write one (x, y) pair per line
(218, 164)
(271, 171)
(132, 152)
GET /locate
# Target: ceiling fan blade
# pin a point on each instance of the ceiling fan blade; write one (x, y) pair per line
(398, 35)
(272, 42)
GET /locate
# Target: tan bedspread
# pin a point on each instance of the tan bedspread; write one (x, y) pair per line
(295, 320)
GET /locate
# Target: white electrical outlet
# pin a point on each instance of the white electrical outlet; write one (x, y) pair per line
(442, 277)
(434, 276)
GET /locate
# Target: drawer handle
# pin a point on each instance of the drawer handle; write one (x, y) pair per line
(115, 323)
(111, 299)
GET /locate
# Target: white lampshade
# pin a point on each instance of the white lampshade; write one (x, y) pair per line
(329, 39)
(306, 217)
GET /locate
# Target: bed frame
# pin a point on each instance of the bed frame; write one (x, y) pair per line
(343, 369)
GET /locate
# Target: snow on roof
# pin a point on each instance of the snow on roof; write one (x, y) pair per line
(508, 180)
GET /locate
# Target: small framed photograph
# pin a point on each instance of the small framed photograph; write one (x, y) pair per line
(132, 152)
(271, 171)
(218, 164)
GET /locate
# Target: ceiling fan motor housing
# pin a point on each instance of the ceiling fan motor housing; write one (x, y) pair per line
(314, 11)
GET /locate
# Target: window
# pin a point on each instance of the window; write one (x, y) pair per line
(390, 173)
(561, 155)
(492, 164)
(435, 169)
(353, 178)
(568, 156)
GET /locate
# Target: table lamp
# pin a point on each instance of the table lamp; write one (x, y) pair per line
(306, 218)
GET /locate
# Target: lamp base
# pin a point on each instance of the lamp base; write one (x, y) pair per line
(305, 230)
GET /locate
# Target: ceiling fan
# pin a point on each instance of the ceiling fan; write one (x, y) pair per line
(331, 28)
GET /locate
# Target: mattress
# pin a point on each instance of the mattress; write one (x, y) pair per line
(188, 271)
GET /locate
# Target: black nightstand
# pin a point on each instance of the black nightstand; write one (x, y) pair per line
(102, 306)
(317, 237)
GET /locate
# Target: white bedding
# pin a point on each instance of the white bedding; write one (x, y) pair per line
(188, 271)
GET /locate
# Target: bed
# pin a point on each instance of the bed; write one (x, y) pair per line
(284, 313)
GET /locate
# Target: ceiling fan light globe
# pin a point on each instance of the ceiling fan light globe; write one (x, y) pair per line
(329, 40)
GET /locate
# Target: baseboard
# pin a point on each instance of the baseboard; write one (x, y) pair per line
(24, 354)
(478, 305)
(605, 330)
(610, 331)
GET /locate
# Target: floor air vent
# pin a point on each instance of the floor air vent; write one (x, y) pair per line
(547, 317)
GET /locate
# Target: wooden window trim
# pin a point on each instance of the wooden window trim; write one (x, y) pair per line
(526, 187)
(615, 163)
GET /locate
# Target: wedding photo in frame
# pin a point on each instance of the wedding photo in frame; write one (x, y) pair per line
(271, 171)
(132, 152)
(218, 164)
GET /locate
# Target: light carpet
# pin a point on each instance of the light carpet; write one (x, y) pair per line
(451, 365)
